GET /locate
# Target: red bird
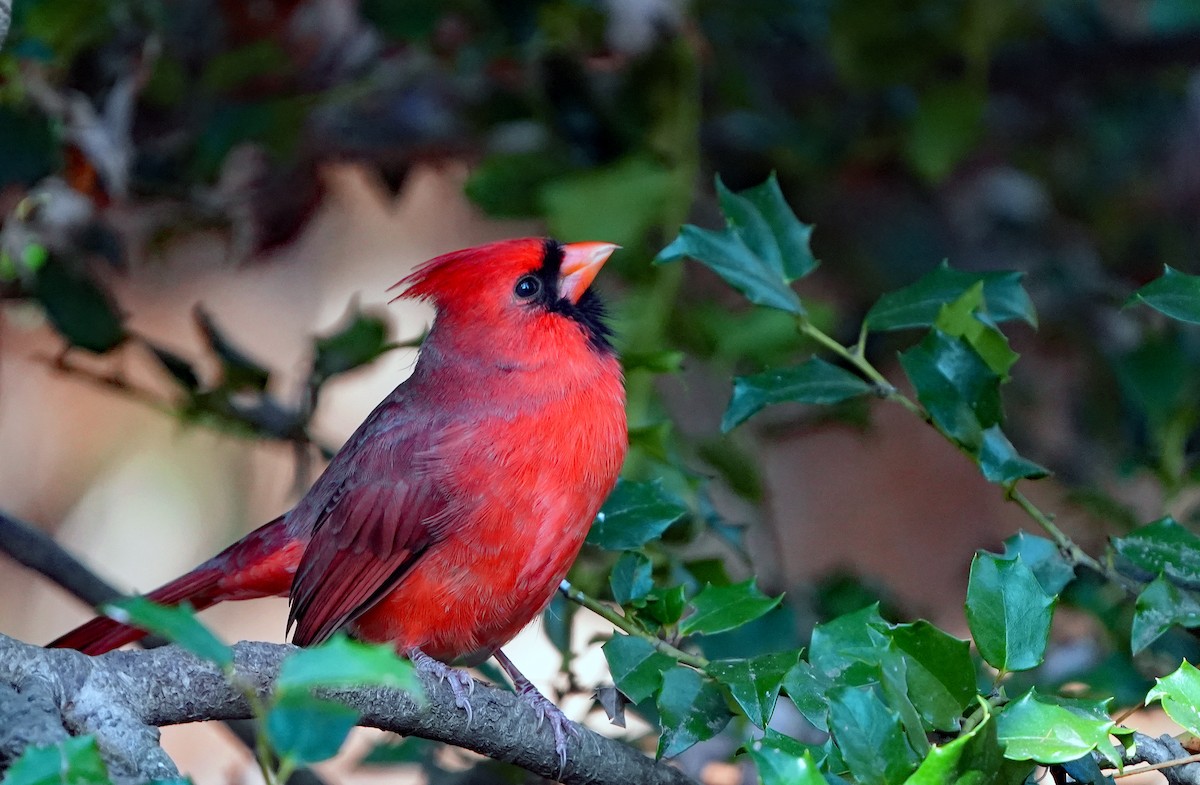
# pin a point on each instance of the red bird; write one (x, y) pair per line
(445, 524)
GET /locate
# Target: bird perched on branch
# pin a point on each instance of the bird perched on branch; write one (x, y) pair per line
(445, 524)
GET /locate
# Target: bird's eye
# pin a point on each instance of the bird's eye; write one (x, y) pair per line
(529, 286)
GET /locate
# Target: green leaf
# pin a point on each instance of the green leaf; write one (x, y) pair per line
(1000, 463)
(1175, 294)
(1049, 730)
(307, 729)
(893, 684)
(813, 381)
(342, 662)
(868, 733)
(636, 666)
(407, 749)
(665, 606)
(1160, 606)
(919, 304)
(1046, 559)
(630, 579)
(74, 761)
(962, 319)
(975, 758)
(1008, 612)
(177, 624)
(854, 638)
(760, 252)
(808, 688)
(939, 674)
(358, 340)
(1163, 547)
(635, 514)
(1179, 693)
(691, 709)
(957, 388)
(180, 369)
(780, 765)
(78, 307)
(721, 608)
(754, 683)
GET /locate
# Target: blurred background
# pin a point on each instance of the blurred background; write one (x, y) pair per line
(204, 202)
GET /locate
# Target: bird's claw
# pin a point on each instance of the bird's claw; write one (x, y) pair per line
(461, 683)
(545, 710)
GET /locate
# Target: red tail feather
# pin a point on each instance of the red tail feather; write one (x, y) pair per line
(259, 565)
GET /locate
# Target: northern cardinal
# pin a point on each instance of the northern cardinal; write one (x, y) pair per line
(447, 521)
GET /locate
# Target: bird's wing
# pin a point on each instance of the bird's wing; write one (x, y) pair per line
(365, 540)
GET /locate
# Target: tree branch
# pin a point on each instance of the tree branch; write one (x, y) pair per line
(124, 696)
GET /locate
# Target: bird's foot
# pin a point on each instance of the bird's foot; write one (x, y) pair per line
(461, 683)
(543, 708)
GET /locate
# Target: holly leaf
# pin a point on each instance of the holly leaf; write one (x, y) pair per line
(754, 683)
(634, 514)
(1179, 693)
(342, 662)
(1049, 730)
(814, 381)
(358, 340)
(691, 709)
(720, 608)
(1162, 548)
(1000, 463)
(176, 623)
(1160, 606)
(939, 674)
(957, 388)
(869, 734)
(636, 666)
(780, 763)
(762, 249)
(1174, 294)
(974, 758)
(1009, 612)
(1046, 559)
(75, 761)
(920, 303)
(630, 579)
(306, 729)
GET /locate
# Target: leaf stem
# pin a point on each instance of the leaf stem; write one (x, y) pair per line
(857, 359)
(621, 623)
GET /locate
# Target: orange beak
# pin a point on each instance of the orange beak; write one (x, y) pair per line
(581, 262)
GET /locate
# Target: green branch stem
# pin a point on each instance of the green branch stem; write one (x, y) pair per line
(620, 622)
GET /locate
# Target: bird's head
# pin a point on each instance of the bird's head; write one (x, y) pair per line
(529, 297)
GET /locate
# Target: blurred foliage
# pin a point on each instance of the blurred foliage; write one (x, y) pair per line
(1046, 149)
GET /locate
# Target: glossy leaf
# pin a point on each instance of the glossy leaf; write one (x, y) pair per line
(1043, 557)
(306, 729)
(1160, 606)
(1163, 547)
(954, 384)
(939, 674)
(74, 761)
(854, 638)
(1008, 612)
(869, 735)
(665, 606)
(1000, 463)
(919, 304)
(1049, 730)
(808, 687)
(1175, 294)
(691, 709)
(975, 758)
(177, 624)
(760, 252)
(814, 381)
(963, 319)
(341, 662)
(635, 514)
(1179, 693)
(630, 579)
(754, 682)
(721, 608)
(636, 666)
(780, 764)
